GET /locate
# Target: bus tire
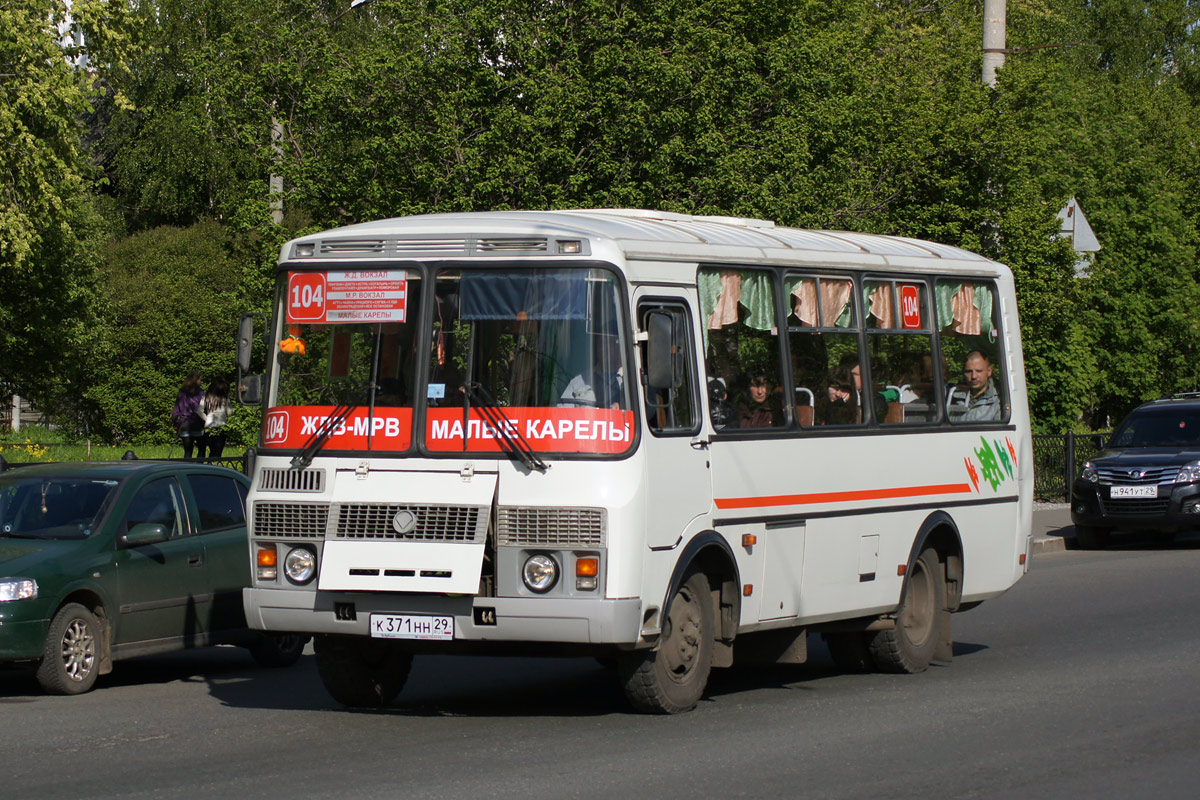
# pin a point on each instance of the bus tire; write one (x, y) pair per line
(671, 678)
(1089, 537)
(910, 645)
(359, 672)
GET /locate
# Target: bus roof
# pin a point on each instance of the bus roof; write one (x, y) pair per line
(632, 233)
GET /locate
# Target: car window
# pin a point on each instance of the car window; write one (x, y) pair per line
(159, 503)
(52, 508)
(1159, 427)
(219, 502)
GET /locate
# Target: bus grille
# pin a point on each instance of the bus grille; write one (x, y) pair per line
(553, 527)
(430, 523)
(290, 480)
(290, 520)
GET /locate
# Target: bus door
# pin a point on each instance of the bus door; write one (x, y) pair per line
(677, 485)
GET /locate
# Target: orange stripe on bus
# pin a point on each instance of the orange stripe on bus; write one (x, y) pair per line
(842, 497)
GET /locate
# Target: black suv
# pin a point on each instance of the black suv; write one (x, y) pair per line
(1146, 478)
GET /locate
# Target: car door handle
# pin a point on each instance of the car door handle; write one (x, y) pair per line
(196, 560)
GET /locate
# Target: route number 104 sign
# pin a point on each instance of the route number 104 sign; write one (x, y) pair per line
(345, 296)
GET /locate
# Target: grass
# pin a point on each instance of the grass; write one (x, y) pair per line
(39, 444)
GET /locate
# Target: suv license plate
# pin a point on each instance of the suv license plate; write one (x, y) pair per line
(1133, 491)
(412, 626)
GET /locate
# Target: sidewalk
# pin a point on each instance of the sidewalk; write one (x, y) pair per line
(1052, 527)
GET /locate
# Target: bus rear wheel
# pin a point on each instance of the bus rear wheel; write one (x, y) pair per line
(359, 672)
(672, 677)
(909, 647)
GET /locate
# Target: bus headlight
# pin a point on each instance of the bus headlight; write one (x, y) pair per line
(1089, 473)
(540, 573)
(300, 565)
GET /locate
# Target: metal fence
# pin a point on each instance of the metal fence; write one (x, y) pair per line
(1057, 459)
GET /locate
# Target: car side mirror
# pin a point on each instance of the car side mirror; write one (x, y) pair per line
(146, 533)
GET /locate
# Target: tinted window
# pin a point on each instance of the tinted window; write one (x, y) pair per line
(1159, 427)
(157, 503)
(218, 501)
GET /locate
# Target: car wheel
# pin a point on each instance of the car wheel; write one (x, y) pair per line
(1089, 537)
(909, 647)
(672, 677)
(361, 672)
(278, 649)
(70, 662)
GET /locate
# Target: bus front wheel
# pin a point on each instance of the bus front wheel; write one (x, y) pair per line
(909, 647)
(360, 672)
(672, 677)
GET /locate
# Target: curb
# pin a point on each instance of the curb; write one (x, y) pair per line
(1049, 544)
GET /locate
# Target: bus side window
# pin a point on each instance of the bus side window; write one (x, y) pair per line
(673, 406)
(822, 332)
(741, 340)
(900, 340)
(976, 390)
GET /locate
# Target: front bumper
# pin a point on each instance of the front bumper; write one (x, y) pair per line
(517, 619)
(1176, 507)
(22, 640)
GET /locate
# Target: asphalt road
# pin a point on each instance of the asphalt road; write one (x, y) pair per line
(1081, 682)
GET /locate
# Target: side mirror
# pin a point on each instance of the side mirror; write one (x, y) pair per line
(249, 389)
(146, 533)
(245, 342)
(660, 351)
(249, 386)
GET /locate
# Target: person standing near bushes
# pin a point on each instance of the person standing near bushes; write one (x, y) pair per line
(215, 409)
(187, 415)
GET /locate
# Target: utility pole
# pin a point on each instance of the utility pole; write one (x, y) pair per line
(994, 13)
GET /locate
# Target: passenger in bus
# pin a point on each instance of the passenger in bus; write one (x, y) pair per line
(763, 410)
(846, 395)
(719, 408)
(602, 386)
(983, 401)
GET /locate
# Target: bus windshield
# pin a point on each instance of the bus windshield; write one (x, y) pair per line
(544, 349)
(518, 361)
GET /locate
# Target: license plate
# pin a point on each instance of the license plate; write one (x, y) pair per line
(1133, 491)
(412, 626)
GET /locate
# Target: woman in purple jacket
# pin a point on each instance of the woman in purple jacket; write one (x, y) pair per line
(187, 416)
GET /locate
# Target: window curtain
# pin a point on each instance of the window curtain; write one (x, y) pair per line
(725, 293)
(834, 302)
(879, 298)
(965, 307)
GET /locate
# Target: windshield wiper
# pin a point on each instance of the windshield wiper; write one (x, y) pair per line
(507, 433)
(321, 435)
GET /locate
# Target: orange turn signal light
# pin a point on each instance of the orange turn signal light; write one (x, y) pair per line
(747, 589)
(267, 557)
(749, 540)
(901, 569)
(587, 567)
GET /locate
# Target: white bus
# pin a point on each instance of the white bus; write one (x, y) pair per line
(671, 442)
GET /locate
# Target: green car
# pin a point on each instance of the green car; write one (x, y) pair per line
(101, 561)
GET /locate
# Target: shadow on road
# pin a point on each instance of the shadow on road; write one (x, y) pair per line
(467, 686)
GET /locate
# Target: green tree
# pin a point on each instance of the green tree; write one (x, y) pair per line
(169, 305)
